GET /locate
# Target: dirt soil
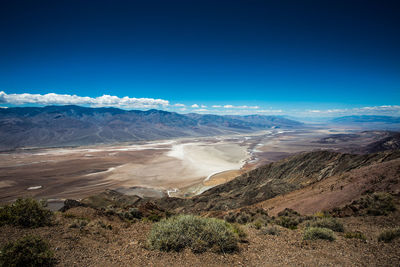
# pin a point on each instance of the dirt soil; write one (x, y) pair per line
(338, 190)
(125, 245)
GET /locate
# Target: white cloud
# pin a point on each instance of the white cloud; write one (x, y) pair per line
(387, 110)
(101, 101)
(271, 111)
(228, 106)
(241, 107)
(179, 105)
(147, 103)
(201, 110)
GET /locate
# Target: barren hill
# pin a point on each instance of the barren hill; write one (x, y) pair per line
(282, 177)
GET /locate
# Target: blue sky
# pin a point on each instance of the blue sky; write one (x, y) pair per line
(308, 58)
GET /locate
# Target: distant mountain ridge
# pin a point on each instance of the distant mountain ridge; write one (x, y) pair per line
(76, 125)
(366, 119)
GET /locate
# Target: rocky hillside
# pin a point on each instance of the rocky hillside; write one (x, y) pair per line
(74, 125)
(391, 142)
(278, 178)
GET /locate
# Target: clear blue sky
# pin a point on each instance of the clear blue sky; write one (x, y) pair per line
(272, 54)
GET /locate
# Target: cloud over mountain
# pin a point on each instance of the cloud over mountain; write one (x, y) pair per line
(65, 99)
(387, 110)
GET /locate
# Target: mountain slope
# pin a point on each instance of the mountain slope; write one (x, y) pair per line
(74, 125)
(339, 190)
(278, 178)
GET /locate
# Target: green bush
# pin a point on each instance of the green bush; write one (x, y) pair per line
(259, 223)
(380, 204)
(239, 232)
(312, 233)
(196, 233)
(288, 222)
(243, 218)
(154, 217)
(272, 230)
(26, 213)
(79, 224)
(389, 235)
(230, 217)
(247, 215)
(330, 223)
(27, 251)
(135, 213)
(288, 213)
(357, 235)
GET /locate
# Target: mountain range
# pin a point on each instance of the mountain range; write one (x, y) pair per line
(74, 125)
(367, 119)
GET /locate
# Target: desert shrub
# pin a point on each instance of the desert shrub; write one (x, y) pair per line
(288, 222)
(154, 217)
(320, 214)
(389, 235)
(27, 251)
(26, 213)
(247, 215)
(272, 230)
(380, 204)
(136, 213)
(78, 223)
(259, 223)
(357, 235)
(312, 233)
(105, 226)
(239, 232)
(230, 217)
(196, 233)
(288, 213)
(327, 222)
(375, 204)
(289, 218)
(243, 218)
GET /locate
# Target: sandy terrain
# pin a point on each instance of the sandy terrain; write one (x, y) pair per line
(180, 167)
(79, 172)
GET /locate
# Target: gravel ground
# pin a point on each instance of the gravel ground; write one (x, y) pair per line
(125, 245)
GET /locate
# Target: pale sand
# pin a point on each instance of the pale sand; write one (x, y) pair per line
(190, 165)
(182, 165)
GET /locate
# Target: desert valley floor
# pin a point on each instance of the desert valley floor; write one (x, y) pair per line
(178, 167)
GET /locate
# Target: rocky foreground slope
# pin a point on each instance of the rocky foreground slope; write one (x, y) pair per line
(361, 192)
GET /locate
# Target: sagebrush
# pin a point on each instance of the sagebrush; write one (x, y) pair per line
(25, 212)
(389, 235)
(196, 233)
(28, 251)
(328, 222)
(312, 233)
